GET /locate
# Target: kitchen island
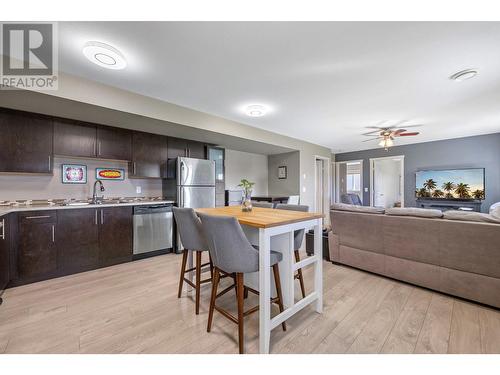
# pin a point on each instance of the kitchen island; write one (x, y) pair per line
(274, 229)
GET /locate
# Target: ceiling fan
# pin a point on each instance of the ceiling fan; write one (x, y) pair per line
(387, 134)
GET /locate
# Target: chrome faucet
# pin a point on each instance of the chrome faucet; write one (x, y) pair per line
(95, 198)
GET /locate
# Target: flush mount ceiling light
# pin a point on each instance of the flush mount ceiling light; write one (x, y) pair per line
(464, 75)
(104, 55)
(256, 110)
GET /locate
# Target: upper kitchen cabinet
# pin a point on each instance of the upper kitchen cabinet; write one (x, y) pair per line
(149, 155)
(184, 147)
(73, 138)
(25, 142)
(114, 143)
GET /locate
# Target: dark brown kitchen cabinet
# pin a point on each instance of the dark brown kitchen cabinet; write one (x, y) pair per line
(149, 155)
(72, 138)
(4, 252)
(184, 147)
(77, 240)
(37, 251)
(115, 235)
(25, 142)
(114, 143)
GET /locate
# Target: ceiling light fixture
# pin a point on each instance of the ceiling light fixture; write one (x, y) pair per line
(386, 143)
(104, 55)
(256, 110)
(464, 75)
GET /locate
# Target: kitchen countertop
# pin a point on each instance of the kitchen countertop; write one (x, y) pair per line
(4, 210)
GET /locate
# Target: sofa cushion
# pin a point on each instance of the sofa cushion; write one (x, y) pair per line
(471, 216)
(358, 230)
(403, 238)
(354, 208)
(495, 206)
(495, 212)
(414, 211)
(470, 247)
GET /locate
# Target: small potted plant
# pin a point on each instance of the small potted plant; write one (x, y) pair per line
(246, 201)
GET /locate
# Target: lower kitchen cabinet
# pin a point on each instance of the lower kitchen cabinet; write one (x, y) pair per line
(115, 235)
(37, 251)
(77, 239)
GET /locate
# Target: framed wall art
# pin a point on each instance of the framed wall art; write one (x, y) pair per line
(282, 173)
(74, 173)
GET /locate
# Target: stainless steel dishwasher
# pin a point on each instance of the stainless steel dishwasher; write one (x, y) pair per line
(153, 229)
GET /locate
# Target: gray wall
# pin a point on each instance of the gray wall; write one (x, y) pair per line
(471, 152)
(290, 185)
(247, 165)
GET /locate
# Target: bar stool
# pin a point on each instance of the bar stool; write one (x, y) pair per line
(189, 227)
(262, 204)
(232, 253)
(298, 237)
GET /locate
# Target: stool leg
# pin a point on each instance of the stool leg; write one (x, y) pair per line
(239, 294)
(183, 271)
(211, 267)
(276, 272)
(198, 281)
(301, 278)
(215, 283)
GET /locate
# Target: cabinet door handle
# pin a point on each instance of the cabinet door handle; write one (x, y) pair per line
(95, 146)
(102, 217)
(49, 164)
(38, 217)
(96, 217)
(134, 167)
(2, 236)
(53, 233)
(99, 148)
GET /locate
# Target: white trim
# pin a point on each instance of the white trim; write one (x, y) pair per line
(328, 180)
(402, 182)
(337, 178)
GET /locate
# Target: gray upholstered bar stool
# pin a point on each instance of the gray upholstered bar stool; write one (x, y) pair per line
(262, 204)
(189, 227)
(232, 253)
(298, 237)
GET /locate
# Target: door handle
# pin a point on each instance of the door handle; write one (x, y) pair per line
(95, 146)
(53, 233)
(102, 217)
(38, 217)
(49, 164)
(2, 236)
(99, 148)
(134, 167)
(96, 217)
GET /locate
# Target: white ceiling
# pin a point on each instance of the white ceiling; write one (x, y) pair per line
(325, 81)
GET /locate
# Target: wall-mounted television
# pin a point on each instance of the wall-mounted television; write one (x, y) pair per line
(460, 184)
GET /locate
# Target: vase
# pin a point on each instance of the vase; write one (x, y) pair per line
(246, 201)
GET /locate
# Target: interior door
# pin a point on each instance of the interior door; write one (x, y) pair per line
(387, 182)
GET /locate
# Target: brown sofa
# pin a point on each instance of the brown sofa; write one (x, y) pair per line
(455, 257)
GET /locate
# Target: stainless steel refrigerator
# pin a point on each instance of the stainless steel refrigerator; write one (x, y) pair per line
(190, 183)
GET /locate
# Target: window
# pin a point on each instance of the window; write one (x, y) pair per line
(353, 182)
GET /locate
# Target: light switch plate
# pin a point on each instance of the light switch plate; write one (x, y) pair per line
(366, 190)
(138, 190)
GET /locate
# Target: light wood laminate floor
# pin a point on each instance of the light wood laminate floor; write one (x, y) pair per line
(133, 308)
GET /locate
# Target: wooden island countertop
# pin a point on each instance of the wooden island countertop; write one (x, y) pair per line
(261, 217)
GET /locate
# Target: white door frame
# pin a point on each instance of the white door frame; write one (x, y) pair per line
(402, 182)
(326, 167)
(361, 186)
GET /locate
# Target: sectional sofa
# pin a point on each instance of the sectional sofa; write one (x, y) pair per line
(461, 258)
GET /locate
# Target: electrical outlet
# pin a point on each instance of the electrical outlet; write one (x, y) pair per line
(138, 189)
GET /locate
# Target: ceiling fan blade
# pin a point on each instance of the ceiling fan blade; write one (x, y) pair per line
(373, 127)
(372, 132)
(414, 126)
(408, 134)
(396, 133)
(372, 139)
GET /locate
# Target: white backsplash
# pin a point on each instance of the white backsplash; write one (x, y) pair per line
(14, 187)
